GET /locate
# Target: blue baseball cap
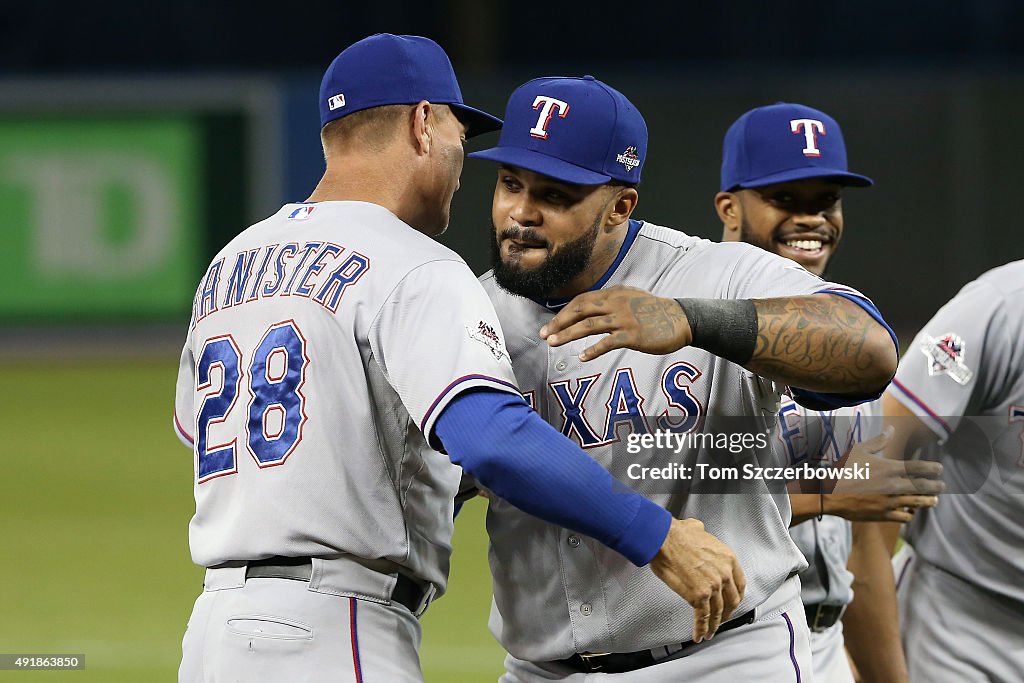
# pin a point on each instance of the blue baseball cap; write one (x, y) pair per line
(783, 142)
(577, 130)
(388, 69)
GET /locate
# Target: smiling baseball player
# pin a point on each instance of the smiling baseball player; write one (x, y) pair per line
(334, 350)
(567, 256)
(784, 170)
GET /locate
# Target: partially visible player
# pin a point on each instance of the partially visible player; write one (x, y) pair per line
(567, 259)
(960, 386)
(784, 169)
(334, 350)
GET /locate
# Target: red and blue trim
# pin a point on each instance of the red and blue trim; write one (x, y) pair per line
(792, 646)
(354, 636)
(181, 431)
(462, 380)
(903, 389)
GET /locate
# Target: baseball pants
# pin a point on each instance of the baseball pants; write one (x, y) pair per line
(956, 632)
(828, 656)
(774, 649)
(275, 630)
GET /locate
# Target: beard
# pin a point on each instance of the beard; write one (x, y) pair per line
(557, 270)
(747, 235)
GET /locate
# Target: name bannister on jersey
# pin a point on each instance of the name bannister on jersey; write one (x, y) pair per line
(319, 271)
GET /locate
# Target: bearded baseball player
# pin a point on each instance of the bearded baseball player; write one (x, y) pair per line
(784, 169)
(960, 386)
(568, 259)
(334, 350)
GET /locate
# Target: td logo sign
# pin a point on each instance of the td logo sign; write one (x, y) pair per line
(105, 217)
(101, 217)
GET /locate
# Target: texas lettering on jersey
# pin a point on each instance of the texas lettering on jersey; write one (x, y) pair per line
(821, 437)
(545, 576)
(320, 271)
(595, 407)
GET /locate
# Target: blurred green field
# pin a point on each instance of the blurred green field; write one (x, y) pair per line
(96, 494)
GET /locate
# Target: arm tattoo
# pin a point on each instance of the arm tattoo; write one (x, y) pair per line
(813, 340)
(657, 318)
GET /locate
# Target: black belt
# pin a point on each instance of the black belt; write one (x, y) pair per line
(822, 617)
(621, 662)
(406, 593)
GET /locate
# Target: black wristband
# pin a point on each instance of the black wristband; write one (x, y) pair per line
(724, 327)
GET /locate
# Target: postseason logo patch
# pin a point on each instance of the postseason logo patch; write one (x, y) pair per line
(946, 353)
(628, 158)
(486, 335)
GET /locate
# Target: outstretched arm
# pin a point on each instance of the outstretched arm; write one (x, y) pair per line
(892, 492)
(508, 448)
(818, 342)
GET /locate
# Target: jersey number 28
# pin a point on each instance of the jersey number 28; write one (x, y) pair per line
(276, 410)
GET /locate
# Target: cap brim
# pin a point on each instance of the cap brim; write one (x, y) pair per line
(477, 122)
(843, 177)
(538, 162)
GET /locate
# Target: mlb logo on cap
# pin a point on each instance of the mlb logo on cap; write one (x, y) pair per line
(783, 142)
(387, 69)
(578, 130)
(336, 102)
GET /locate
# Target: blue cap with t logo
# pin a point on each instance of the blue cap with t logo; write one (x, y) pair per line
(577, 130)
(783, 142)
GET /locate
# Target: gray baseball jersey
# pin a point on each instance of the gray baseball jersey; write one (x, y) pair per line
(809, 435)
(557, 593)
(325, 341)
(826, 544)
(969, 361)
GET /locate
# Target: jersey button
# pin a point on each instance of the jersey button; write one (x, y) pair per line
(561, 366)
(574, 541)
(586, 609)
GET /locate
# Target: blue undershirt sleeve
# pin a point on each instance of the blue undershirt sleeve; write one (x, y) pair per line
(506, 446)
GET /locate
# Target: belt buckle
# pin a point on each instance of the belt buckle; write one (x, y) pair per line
(818, 616)
(592, 659)
(428, 596)
(822, 614)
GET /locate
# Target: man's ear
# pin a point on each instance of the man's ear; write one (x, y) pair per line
(421, 127)
(730, 212)
(623, 205)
